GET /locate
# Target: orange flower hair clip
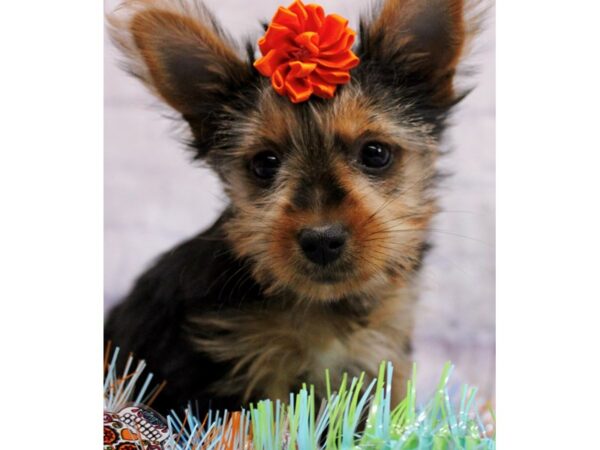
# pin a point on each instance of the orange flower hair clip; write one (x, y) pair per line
(306, 52)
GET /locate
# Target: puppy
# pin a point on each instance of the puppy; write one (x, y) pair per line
(313, 264)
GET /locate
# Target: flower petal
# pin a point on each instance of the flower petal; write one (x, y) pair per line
(342, 61)
(270, 62)
(344, 43)
(278, 79)
(333, 76)
(333, 27)
(299, 69)
(288, 19)
(275, 37)
(308, 40)
(299, 9)
(298, 89)
(315, 19)
(321, 88)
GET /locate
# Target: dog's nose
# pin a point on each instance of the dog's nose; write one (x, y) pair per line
(323, 245)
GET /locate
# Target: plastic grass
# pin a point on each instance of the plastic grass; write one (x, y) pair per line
(122, 389)
(356, 415)
(339, 422)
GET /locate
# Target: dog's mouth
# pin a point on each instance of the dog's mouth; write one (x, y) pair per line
(328, 278)
(330, 283)
(339, 272)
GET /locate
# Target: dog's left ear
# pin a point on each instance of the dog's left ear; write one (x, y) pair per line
(417, 42)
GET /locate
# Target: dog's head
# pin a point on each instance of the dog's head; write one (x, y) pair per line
(330, 198)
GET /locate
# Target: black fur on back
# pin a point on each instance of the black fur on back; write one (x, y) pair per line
(197, 274)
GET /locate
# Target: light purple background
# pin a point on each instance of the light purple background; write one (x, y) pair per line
(154, 198)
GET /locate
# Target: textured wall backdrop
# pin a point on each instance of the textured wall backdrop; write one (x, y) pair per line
(154, 198)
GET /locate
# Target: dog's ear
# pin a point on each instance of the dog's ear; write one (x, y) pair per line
(418, 42)
(180, 52)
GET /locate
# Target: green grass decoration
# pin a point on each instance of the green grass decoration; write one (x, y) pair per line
(353, 417)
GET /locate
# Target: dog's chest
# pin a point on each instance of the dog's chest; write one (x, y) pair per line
(271, 353)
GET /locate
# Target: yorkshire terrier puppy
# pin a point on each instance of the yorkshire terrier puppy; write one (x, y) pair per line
(313, 264)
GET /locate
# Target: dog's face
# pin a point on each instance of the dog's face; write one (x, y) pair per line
(330, 198)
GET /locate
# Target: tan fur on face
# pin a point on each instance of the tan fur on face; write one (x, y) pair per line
(386, 218)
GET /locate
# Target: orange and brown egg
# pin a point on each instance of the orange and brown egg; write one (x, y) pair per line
(134, 428)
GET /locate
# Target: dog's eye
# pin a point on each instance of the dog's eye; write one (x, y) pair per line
(265, 165)
(375, 155)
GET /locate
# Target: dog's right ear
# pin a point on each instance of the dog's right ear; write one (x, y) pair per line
(420, 42)
(179, 51)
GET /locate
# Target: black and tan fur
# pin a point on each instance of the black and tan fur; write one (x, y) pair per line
(237, 313)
